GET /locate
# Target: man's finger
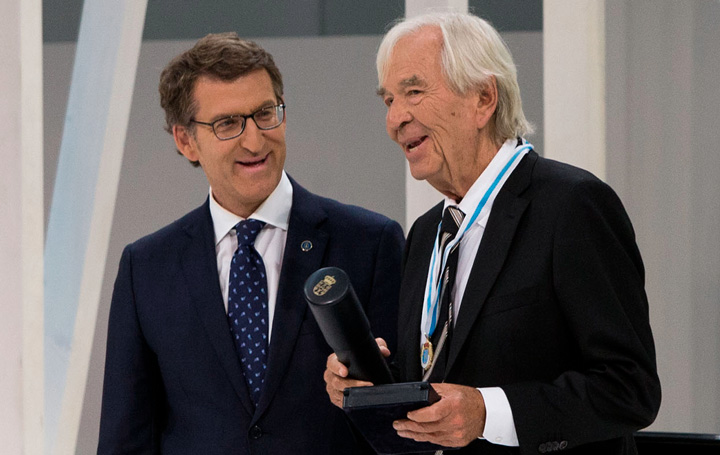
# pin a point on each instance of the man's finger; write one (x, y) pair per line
(384, 350)
(406, 425)
(432, 413)
(421, 437)
(335, 366)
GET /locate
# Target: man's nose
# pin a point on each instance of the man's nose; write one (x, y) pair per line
(397, 116)
(252, 138)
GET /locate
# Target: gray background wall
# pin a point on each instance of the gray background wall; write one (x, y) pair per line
(337, 145)
(663, 118)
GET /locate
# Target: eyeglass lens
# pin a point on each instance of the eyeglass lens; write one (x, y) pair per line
(265, 119)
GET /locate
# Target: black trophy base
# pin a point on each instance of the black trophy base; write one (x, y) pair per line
(374, 409)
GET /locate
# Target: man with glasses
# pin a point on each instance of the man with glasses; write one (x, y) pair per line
(211, 348)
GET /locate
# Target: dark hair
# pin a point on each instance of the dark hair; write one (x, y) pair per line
(223, 56)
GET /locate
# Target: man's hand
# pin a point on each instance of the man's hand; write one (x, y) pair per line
(336, 379)
(454, 421)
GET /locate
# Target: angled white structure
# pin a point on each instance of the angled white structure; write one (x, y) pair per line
(83, 204)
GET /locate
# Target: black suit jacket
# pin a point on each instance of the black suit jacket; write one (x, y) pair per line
(173, 381)
(554, 312)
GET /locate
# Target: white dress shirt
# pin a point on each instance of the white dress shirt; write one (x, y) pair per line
(499, 424)
(270, 243)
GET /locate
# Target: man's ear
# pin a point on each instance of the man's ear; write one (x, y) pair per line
(487, 102)
(185, 142)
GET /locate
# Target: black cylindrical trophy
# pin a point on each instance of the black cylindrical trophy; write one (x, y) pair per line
(345, 326)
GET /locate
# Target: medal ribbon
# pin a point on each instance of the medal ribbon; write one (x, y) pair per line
(433, 292)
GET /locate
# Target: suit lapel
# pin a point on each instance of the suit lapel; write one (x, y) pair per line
(305, 224)
(504, 218)
(199, 266)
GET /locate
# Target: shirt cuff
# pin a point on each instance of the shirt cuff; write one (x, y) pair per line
(499, 423)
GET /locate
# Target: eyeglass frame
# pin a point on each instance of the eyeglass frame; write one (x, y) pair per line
(245, 118)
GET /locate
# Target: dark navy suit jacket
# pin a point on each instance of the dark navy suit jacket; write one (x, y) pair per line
(554, 312)
(173, 381)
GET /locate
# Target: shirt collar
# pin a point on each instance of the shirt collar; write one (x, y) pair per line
(483, 182)
(275, 210)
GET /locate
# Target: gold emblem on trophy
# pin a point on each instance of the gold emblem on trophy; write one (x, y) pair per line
(324, 285)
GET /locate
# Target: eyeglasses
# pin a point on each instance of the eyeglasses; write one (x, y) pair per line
(233, 126)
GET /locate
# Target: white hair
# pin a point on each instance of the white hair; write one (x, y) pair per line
(472, 52)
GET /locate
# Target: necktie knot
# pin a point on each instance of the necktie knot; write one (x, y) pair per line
(451, 221)
(248, 230)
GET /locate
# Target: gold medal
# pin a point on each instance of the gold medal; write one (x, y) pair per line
(426, 354)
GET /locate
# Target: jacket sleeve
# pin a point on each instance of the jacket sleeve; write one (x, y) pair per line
(598, 283)
(132, 390)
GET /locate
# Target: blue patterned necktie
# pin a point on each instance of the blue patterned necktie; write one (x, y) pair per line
(248, 306)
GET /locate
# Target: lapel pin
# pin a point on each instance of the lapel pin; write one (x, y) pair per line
(306, 245)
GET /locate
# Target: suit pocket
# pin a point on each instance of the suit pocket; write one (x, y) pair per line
(525, 297)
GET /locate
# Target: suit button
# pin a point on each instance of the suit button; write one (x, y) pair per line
(542, 448)
(255, 432)
(563, 445)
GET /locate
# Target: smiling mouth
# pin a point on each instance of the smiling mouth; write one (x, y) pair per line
(411, 146)
(253, 163)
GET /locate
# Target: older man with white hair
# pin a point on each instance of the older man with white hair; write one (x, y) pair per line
(523, 297)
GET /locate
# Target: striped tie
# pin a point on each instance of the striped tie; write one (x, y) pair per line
(452, 219)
